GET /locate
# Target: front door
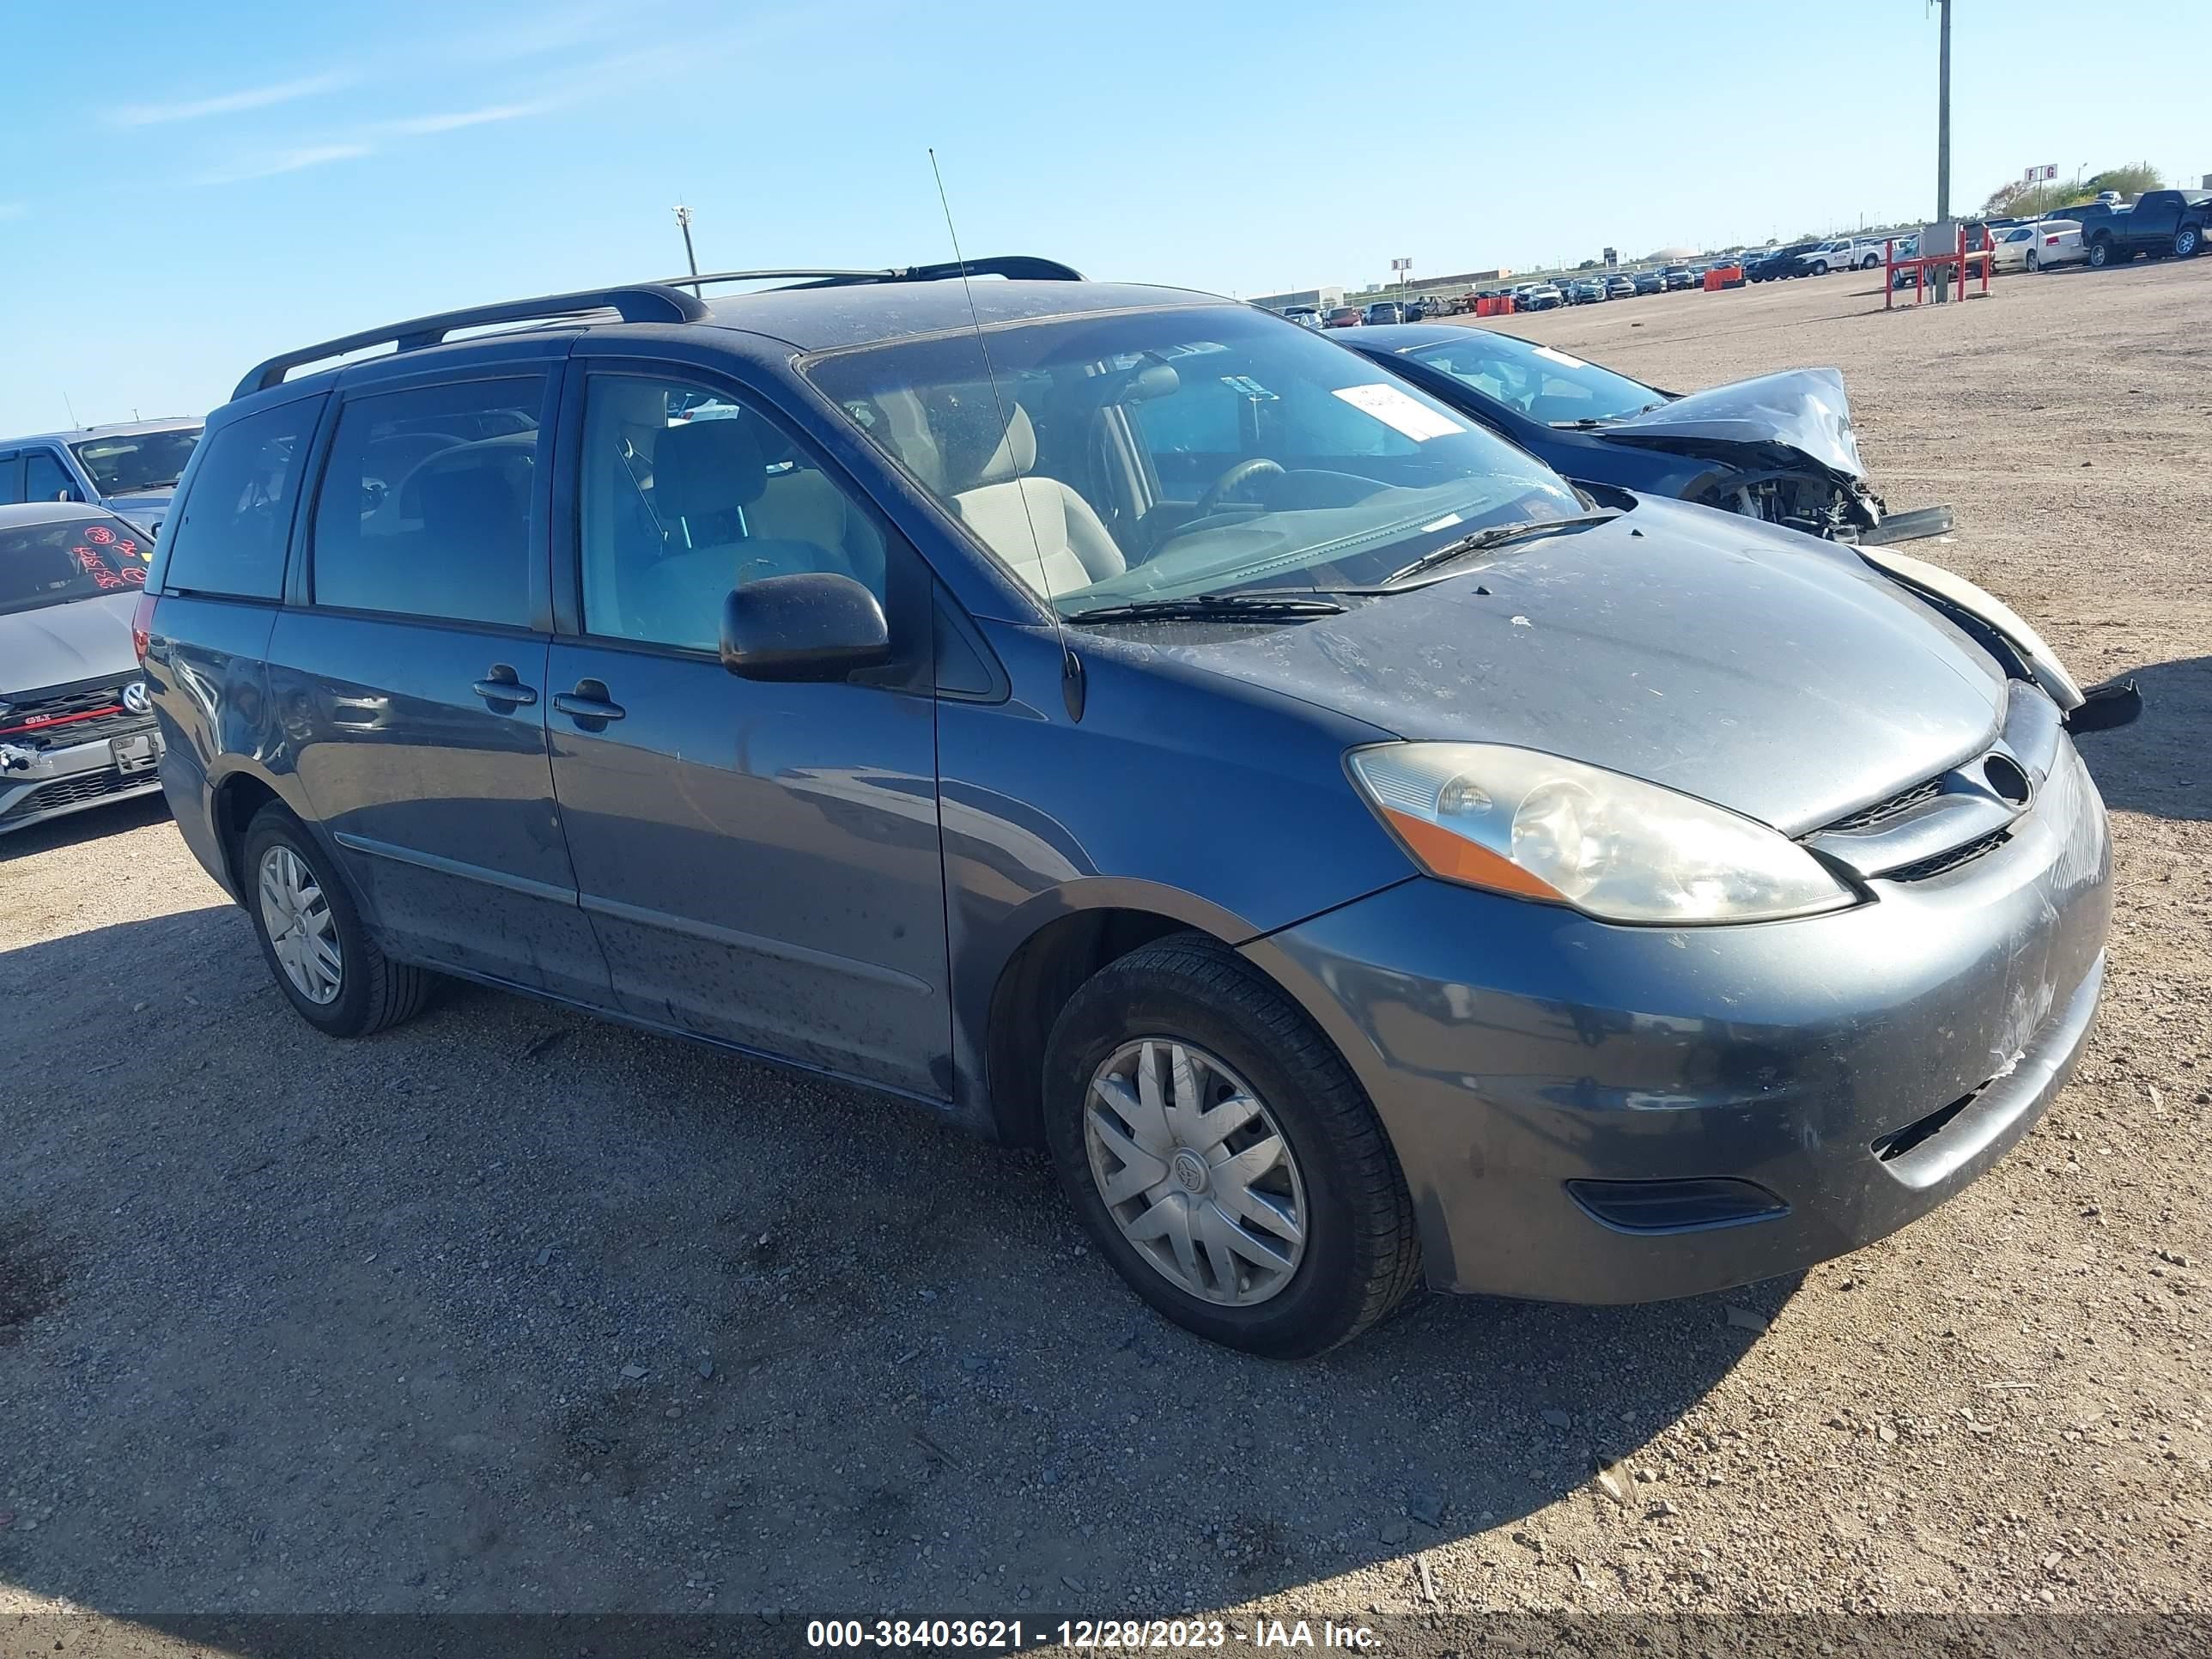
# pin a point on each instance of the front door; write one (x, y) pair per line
(761, 860)
(412, 681)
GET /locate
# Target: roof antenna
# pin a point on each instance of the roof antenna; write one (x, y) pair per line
(71, 407)
(1071, 665)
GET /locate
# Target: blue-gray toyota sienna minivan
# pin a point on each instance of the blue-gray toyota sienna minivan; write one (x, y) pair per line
(1121, 719)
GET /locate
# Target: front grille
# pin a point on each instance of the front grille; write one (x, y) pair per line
(1944, 862)
(1883, 810)
(73, 792)
(79, 715)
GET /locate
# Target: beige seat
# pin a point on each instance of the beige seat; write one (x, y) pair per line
(1044, 532)
(708, 476)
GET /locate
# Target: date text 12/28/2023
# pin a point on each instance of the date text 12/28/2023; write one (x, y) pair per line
(1124, 1635)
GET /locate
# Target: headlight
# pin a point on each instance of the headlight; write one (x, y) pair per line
(1620, 849)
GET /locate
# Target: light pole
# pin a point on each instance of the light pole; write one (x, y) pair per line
(684, 220)
(1944, 149)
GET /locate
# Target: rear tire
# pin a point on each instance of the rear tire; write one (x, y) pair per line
(2033, 263)
(2100, 254)
(281, 864)
(1357, 1253)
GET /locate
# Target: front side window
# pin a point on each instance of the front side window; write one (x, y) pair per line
(44, 479)
(426, 507)
(125, 464)
(80, 558)
(1539, 381)
(230, 535)
(1163, 453)
(685, 494)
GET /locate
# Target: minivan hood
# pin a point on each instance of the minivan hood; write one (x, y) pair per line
(1801, 409)
(1768, 672)
(62, 644)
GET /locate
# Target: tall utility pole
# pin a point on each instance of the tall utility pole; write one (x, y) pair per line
(1943, 118)
(683, 214)
(1944, 149)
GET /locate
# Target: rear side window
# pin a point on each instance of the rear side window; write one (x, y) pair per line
(44, 479)
(426, 504)
(230, 536)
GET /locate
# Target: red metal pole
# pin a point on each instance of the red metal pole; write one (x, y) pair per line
(1888, 270)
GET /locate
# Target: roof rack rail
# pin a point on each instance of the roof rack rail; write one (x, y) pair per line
(636, 302)
(1020, 267)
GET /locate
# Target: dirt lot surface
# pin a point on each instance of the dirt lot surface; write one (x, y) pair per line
(511, 1310)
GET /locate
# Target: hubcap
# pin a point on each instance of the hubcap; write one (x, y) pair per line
(302, 930)
(1196, 1171)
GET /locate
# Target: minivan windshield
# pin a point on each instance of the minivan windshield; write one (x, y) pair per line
(124, 462)
(1539, 381)
(78, 558)
(1117, 457)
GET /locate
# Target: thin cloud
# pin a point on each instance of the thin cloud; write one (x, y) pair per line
(453, 120)
(230, 103)
(546, 32)
(273, 162)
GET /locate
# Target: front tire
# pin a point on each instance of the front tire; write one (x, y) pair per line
(1820, 267)
(2186, 242)
(1222, 1155)
(321, 955)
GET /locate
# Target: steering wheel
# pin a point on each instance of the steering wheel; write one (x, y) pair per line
(1220, 490)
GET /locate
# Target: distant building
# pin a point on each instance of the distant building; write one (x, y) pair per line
(1320, 299)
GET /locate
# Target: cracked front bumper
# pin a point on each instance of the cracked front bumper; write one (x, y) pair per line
(1861, 1067)
(38, 784)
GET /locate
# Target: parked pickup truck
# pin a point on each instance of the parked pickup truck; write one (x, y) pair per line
(1841, 253)
(2161, 222)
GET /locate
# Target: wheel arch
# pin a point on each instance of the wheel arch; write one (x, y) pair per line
(1060, 939)
(233, 800)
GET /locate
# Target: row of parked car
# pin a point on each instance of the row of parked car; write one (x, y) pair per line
(1600, 286)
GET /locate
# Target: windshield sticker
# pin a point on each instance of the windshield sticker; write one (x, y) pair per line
(1399, 411)
(104, 576)
(1245, 387)
(1561, 357)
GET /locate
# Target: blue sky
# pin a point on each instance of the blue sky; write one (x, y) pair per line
(192, 188)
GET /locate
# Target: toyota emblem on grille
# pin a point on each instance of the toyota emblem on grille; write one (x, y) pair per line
(136, 699)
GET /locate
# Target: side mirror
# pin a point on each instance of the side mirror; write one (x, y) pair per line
(814, 626)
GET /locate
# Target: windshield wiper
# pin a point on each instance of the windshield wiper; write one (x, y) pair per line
(1496, 536)
(1588, 422)
(1213, 607)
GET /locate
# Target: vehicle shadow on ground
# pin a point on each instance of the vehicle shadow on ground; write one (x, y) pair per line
(513, 1309)
(2159, 766)
(78, 828)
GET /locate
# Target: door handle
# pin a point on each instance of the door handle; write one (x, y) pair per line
(503, 685)
(588, 705)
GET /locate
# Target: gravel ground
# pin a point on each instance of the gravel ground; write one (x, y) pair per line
(511, 1310)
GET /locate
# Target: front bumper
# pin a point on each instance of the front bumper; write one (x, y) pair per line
(38, 784)
(1860, 1067)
